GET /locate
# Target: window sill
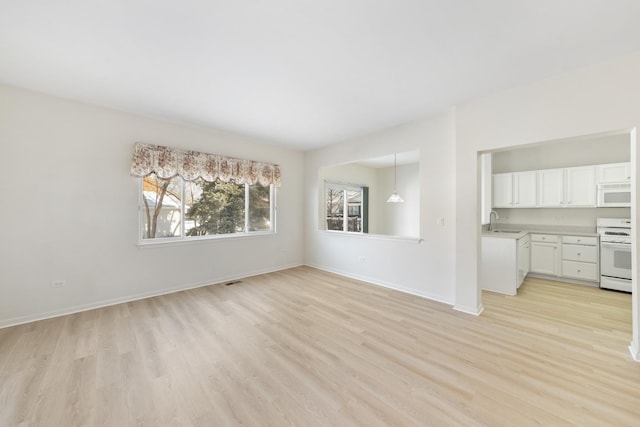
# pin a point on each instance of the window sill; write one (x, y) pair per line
(178, 241)
(373, 236)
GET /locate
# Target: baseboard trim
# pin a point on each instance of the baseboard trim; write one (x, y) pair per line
(383, 284)
(15, 321)
(564, 280)
(635, 352)
(476, 311)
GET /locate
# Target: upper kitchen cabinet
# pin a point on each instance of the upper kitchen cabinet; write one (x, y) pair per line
(551, 188)
(569, 187)
(503, 190)
(514, 190)
(524, 189)
(614, 172)
(581, 187)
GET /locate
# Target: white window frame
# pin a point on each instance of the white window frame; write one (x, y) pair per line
(345, 208)
(185, 239)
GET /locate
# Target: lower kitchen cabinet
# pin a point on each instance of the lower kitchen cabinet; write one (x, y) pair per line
(505, 263)
(524, 258)
(501, 263)
(545, 254)
(580, 258)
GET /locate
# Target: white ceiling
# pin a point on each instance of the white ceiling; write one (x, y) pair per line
(404, 158)
(301, 73)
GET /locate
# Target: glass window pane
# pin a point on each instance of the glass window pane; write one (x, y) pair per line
(259, 208)
(161, 207)
(215, 208)
(335, 208)
(354, 205)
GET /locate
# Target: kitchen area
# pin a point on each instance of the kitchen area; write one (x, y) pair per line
(558, 211)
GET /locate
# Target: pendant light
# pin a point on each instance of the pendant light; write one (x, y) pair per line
(395, 197)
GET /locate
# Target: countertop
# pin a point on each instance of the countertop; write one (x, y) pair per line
(537, 229)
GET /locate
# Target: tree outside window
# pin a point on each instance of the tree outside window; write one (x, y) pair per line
(177, 209)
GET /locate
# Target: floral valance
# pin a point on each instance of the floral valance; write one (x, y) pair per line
(167, 162)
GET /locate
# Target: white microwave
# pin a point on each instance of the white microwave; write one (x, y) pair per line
(614, 195)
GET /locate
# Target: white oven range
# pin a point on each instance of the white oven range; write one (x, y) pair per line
(615, 253)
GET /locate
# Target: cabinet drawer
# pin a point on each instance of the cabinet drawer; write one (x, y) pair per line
(580, 270)
(580, 240)
(548, 238)
(580, 253)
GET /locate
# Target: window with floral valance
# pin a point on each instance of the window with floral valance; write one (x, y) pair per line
(168, 162)
(188, 194)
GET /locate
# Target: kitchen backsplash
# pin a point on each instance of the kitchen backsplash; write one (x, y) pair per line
(583, 217)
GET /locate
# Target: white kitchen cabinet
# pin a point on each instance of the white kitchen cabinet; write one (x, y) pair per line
(524, 189)
(524, 259)
(569, 187)
(503, 190)
(545, 257)
(581, 187)
(551, 188)
(515, 190)
(580, 258)
(614, 172)
(504, 263)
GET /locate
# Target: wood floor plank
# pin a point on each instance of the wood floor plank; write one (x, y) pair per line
(305, 347)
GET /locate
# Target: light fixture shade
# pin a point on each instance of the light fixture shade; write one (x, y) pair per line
(395, 198)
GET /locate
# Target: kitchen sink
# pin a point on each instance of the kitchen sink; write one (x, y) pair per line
(507, 231)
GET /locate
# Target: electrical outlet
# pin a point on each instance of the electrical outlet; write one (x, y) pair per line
(58, 283)
(362, 259)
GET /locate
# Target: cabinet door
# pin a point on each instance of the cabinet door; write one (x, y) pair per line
(614, 172)
(551, 188)
(544, 258)
(525, 187)
(524, 261)
(503, 190)
(581, 187)
(527, 259)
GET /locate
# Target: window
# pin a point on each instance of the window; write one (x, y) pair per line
(178, 209)
(352, 200)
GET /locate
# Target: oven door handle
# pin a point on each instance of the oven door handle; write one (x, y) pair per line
(615, 245)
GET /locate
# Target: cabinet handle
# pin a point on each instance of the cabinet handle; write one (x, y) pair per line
(579, 271)
(578, 253)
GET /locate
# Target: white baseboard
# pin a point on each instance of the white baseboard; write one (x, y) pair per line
(476, 311)
(5, 323)
(384, 284)
(635, 352)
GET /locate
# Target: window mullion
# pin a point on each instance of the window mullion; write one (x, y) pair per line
(246, 208)
(182, 210)
(345, 213)
(272, 208)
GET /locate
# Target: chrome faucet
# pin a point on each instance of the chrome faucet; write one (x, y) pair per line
(489, 228)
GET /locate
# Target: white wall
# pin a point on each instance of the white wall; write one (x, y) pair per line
(425, 268)
(399, 219)
(592, 100)
(562, 154)
(70, 209)
(581, 217)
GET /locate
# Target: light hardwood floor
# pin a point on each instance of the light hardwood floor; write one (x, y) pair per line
(307, 348)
